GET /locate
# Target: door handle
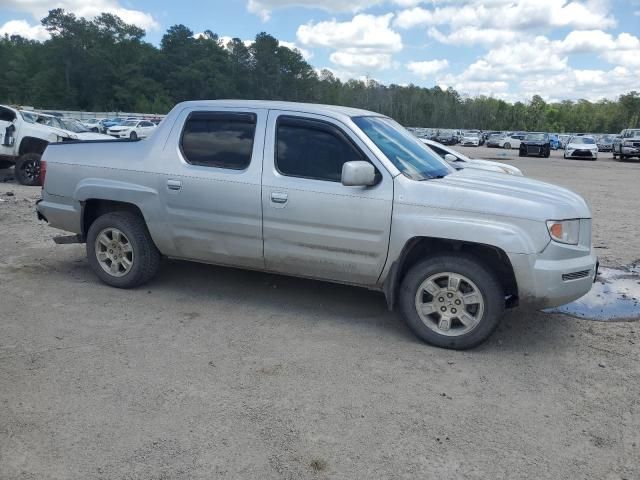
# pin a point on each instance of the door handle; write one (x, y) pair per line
(279, 197)
(174, 184)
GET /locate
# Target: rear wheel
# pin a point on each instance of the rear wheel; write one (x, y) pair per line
(451, 301)
(28, 169)
(507, 146)
(120, 250)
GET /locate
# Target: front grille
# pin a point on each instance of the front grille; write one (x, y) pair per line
(582, 153)
(533, 149)
(575, 275)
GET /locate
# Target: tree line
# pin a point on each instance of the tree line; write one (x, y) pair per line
(105, 65)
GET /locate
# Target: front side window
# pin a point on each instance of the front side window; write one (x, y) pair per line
(407, 153)
(222, 140)
(312, 149)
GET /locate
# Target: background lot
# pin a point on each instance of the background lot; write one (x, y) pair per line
(210, 372)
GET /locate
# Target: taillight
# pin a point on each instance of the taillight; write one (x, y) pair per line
(43, 172)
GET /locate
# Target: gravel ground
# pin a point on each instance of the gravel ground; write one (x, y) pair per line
(210, 372)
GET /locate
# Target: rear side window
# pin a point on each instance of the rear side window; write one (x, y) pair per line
(219, 139)
(312, 149)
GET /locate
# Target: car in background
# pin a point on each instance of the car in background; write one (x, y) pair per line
(582, 147)
(479, 134)
(132, 129)
(505, 141)
(459, 160)
(535, 143)
(628, 144)
(563, 140)
(554, 141)
(95, 125)
(470, 139)
(446, 138)
(112, 122)
(605, 143)
(81, 131)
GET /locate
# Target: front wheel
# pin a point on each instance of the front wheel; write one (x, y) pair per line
(120, 250)
(28, 169)
(133, 136)
(451, 301)
(507, 146)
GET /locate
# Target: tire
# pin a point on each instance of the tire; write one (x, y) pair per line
(133, 136)
(28, 169)
(435, 269)
(547, 154)
(521, 154)
(142, 254)
(507, 146)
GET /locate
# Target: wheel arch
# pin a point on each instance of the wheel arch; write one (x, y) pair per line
(418, 248)
(32, 145)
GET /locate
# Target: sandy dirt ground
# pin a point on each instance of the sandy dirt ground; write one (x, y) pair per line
(210, 372)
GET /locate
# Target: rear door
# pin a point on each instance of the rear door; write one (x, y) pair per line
(211, 186)
(313, 225)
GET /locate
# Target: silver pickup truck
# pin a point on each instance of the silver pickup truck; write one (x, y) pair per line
(329, 193)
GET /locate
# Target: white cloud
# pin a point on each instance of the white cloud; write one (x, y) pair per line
(510, 15)
(263, 8)
(22, 28)
(427, 68)
(364, 42)
(474, 36)
(82, 8)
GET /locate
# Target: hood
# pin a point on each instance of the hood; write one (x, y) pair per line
(119, 128)
(490, 166)
(93, 136)
(485, 192)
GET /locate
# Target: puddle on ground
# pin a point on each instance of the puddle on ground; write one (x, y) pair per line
(614, 296)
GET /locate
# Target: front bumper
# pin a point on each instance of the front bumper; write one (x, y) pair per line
(630, 150)
(581, 153)
(558, 275)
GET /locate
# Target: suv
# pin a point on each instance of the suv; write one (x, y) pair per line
(24, 135)
(627, 145)
(325, 192)
(535, 143)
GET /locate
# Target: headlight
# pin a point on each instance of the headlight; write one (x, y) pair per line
(564, 231)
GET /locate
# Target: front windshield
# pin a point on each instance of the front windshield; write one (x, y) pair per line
(535, 137)
(631, 134)
(73, 125)
(130, 123)
(28, 116)
(583, 140)
(406, 152)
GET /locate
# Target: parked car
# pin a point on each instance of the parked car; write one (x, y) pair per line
(493, 140)
(81, 131)
(582, 147)
(605, 143)
(470, 139)
(446, 138)
(459, 160)
(554, 141)
(112, 122)
(627, 145)
(327, 192)
(563, 140)
(132, 129)
(95, 125)
(504, 141)
(535, 143)
(24, 136)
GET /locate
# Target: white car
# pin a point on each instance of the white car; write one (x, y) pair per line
(457, 159)
(94, 124)
(581, 147)
(80, 130)
(132, 129)
(505, 141)
(470, 139)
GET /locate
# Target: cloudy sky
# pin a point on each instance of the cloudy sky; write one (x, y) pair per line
(506, 48)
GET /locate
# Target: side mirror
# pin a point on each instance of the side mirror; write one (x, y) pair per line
(358, 174)
(450, 157)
